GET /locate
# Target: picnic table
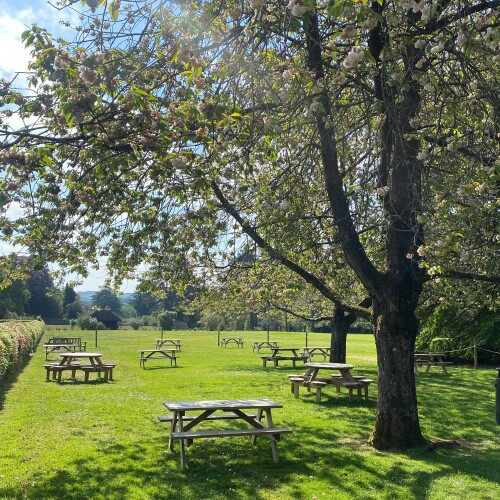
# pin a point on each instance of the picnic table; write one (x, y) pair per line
(429, 359)
(317, 351)
(49, 348)
(344, 378)
(236, 340)
(182, 426)
(69, 362)
(55, 344)
(176, 343)
(161, 353)
(263, 345)
(284, 353)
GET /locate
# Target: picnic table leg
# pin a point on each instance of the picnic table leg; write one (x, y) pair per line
(182, 443)
(258, 417)
(272, 439)
(173, 425)
(427, 368)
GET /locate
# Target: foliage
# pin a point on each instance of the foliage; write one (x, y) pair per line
(166, 320)
(88, 323)
(354, 143)
(135, 323)
(144, 303)
(45, 299)
(17, 341)
(462, 328)
(212, 322)
(105, 298)
(128, 311)
(74, 309)
(13, 297)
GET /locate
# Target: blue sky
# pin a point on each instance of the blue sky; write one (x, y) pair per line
(15, 17)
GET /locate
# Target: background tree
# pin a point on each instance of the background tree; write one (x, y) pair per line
(45, 299)
(13, 298)
(105, 298)
(71, 304)
(144, 303)
(175, 134)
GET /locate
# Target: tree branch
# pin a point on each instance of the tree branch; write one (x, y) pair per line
(316, 282)
(469, 276)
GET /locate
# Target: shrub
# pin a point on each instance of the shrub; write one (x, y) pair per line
(166, 320)
(135, 323)
(89, 323)
(17, 341)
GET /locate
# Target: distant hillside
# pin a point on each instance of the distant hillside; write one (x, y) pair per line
(86, 297)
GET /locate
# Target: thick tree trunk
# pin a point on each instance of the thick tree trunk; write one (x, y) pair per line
(340, 325)
(397, 424)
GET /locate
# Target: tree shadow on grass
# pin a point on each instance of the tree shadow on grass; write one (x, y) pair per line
(312, 462)
(11, 378)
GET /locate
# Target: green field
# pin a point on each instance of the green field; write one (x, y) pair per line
(103, 440)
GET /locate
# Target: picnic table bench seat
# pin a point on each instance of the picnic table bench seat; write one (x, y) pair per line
(276, 359)
(433, 363)
(271, 432)
(297, 382)
(105, 369)
(56, 370)
(217, 416)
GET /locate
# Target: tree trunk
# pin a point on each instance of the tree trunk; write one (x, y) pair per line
(340, 325)
(397, 424)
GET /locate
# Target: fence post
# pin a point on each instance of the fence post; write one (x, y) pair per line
(96, 337)
(475, 355)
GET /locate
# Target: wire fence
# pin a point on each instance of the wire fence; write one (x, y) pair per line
(474, 348)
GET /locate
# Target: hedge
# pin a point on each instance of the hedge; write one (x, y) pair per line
(17, 340)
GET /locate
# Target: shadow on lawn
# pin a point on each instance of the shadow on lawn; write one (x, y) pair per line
(232, 468)
(220, 469)
(11, 378)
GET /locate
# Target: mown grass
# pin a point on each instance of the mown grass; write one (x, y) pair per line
(103, 440)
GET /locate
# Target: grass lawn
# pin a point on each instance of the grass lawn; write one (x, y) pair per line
(101, 440)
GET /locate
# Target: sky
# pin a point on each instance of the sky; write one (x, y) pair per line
(15, 17)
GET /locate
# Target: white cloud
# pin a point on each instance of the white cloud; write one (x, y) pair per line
(15, 57)
(19, 15)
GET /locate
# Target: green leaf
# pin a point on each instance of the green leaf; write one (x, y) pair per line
(114, 10)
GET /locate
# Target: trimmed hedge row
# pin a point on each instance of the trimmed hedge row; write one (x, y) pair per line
(17, 340)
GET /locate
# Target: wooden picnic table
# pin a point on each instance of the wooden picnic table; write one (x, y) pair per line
(344, 378)
(236, 340)
(263, 345)
(49, 348)
(176, 343)
(69, 362)
(317, 351)
(429, 359)
(182, 426)
(284, 353)
(161, 353)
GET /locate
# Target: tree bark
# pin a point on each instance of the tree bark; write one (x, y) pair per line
(340, 325)
(397, 424)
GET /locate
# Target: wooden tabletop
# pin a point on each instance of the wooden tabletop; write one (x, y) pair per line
(80, 354)
(160, 349)
(221, 404)
(329, 366)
